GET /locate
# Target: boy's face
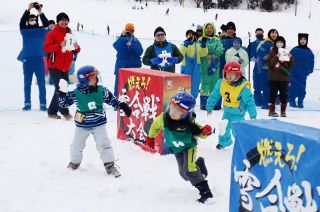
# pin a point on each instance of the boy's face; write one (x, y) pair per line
(232, 77)
(175, 113)
(92, 80)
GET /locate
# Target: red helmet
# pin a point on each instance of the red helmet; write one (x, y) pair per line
(232, 68)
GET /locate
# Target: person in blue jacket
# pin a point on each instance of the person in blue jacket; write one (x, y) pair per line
(32, 53)
(252, 52)
(304, 59)
(262, 53)
(129, 51)
(192, 51)
(235, 91)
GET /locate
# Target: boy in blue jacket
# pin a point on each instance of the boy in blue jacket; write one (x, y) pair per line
(90, 117)
(235, 91)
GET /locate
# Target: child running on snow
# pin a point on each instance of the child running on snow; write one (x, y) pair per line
(181, 132)
(235, 91)
(90, 117)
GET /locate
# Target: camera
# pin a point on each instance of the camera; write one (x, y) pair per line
(37, 6)
(128, 33)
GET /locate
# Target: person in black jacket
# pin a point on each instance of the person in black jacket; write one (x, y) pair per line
(32, 53)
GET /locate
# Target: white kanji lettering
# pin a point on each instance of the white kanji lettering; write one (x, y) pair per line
(247, 182)
(275, 182)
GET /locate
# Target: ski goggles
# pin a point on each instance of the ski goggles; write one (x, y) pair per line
(93, 73)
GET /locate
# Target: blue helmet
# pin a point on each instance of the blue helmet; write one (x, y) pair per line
(184, 100)
(83, 74)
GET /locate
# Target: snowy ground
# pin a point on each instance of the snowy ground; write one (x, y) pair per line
(35, 150)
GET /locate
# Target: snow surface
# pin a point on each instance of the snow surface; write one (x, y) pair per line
(34, 150)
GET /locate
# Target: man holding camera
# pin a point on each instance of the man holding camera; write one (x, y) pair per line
(32, 53)
(60, 56)
(129, 51)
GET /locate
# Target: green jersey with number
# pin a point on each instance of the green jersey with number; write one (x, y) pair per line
(90, 102)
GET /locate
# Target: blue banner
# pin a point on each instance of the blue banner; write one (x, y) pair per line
(275, 167)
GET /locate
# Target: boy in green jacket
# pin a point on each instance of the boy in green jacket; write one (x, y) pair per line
(180, 133)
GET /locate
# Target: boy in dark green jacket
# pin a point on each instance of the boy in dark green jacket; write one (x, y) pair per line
(180, 132)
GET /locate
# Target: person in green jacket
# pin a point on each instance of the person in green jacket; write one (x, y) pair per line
(210, 64)
(180, 133)
(162, 55)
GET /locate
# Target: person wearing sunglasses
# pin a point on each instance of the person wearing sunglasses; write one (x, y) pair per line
(162, 55)
(32, 53)
(129, 51)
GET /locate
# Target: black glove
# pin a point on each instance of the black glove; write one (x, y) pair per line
(126, 109)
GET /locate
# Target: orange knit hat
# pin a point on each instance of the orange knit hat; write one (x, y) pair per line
(129, 27)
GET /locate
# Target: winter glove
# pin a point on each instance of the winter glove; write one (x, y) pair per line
(156, 60)
(206, 130)
(150, 142)
(212, 68)
(63, 86)
(126, 109)
(172, 60)
(203, 42)
(186, 43)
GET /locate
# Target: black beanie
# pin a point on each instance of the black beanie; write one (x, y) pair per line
(280, 38)
(51, 22)
(158, 29)
(62, 16)
(303, 35)
(32, 16)
(231, 25)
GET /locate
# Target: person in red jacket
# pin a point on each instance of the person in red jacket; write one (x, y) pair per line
(60, 46)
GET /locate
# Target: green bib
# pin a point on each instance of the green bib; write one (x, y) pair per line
(177, 141)
(90, 102)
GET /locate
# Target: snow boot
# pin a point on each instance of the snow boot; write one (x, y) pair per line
(272, 112)
(204, 190)
(73, 166)
(202, 166)
(111, 169)
(203, 102)
(26, 107)
(283, 110)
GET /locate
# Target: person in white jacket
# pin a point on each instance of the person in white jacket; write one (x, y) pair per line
(237, 54)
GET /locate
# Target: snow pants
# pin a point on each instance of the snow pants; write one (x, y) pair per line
(36, 66)
(193, 70)
(265, 89)
(103, 143)
(297, 89)
(188, 169)
(257, 85)
(225, 139)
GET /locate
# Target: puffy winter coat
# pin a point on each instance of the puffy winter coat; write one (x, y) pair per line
(127, 56)
(56, 58)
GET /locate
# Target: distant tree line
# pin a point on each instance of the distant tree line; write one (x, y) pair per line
(267, 5)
